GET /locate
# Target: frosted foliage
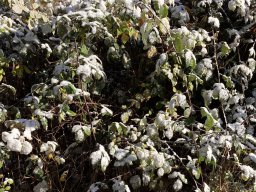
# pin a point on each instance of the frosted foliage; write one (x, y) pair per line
(49, 147)
(158, 159)
(41, 187)
(180, 13)
(214, 21)
(16, 142)
(178, 100)
(96, 187)
(177, 186)
(120, 185)
(135, 181)
(100, 158)
(14, 145)
(26, 148)
(146, 95)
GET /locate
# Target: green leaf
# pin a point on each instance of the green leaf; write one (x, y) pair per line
(39, 88)
(156, 5)
(163, 12)
(178, 44)
(84, 50)
(62, 116)
(125, 38)
(125, 117)
(201, 159)
(187, 112)
(229, 82)
(70, 113)
(117, 127)
(87, 130)
(70, 89)
(210, 121)
(26, 69)
(2, 73)
(197, 173)
(225, 49)
(10, 181)
(7, 188)
(1, 164)
(190, 59)
(44, 122)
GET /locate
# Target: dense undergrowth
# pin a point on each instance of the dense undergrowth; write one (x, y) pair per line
(127, 95)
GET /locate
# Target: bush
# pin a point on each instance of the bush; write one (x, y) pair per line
(127, 95)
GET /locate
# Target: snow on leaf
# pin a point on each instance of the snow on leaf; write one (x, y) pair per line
(190, 59)
(210, 121)
(135, 181)
(106, 111)
(41, 187)
(120, 153)
(26, 148)
(252, 156)
(100, 157)
(177, 186)
(206, 188)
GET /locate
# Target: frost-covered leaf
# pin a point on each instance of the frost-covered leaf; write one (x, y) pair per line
(104, 163)
(26, 148)
(190, 59)
(4, 88)
(210, 121)
(135, 182)
(206, 188)
(125, 117)
(97, 187)
(252, 156)
(177, 186)
(48, 147)
(101, 158)
(120, 153)
(41, 187)
(178, 100)
(214, 21)
(120, 185)
(207, 95)
(106, 111)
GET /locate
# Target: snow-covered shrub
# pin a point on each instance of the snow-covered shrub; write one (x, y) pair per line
(127, 95)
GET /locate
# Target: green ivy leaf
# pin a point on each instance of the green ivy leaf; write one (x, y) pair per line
(163, 12)
(210, 121)
(187, 112)
(87, 130)
(70, 89)
(197, 172)
(117, 127)
(70, 113)
(84, 50)
(229, 82)
(7, 188)
(190, 59)
(125, 117)
(225, 49)
(179, 46)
